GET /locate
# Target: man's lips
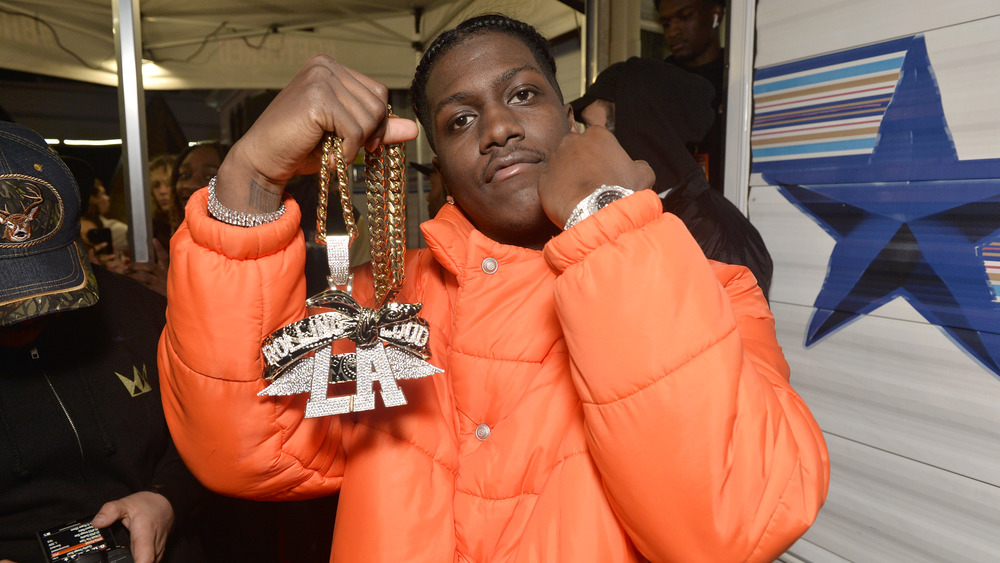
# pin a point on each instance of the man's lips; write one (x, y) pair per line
(677, 45)
(512, 170)
(501, 168)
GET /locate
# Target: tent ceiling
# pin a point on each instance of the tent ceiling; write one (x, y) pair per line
(244, 44)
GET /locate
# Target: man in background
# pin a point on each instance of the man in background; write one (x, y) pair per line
(654, 109)
(691, 32)
(437, 195)
(81, 425)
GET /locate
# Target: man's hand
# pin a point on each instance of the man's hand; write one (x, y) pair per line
(285, 139)
(148, 517)
(581, 164)
(109, 260)
(153, 274)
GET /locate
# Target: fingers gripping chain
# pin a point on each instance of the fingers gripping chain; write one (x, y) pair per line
(386, 198)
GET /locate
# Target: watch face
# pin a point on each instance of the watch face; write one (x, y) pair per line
(605, 198)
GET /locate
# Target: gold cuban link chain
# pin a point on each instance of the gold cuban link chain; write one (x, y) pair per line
(386, 197)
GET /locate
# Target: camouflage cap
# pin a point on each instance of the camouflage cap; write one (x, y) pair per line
(43, 267)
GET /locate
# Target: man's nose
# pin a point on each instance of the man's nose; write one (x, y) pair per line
(672, 29)
(500, 124)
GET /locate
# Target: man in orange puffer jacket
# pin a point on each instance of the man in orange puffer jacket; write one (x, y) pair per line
(608, 393)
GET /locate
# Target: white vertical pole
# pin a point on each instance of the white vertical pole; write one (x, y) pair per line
(421, 197)
(132, 115)
(739, 106)
(591, 38)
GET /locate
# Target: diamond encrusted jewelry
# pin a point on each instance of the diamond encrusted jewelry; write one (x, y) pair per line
(391, 341)
(597, 200)
(238, 218)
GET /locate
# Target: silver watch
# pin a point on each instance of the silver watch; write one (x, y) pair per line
(599, 199)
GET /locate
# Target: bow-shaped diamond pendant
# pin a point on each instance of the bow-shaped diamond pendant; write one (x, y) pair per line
(391, 344)
(391, 341)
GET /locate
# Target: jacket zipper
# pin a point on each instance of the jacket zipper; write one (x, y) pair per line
(76, 434)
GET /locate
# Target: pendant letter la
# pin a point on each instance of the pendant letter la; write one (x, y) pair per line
(372, 366)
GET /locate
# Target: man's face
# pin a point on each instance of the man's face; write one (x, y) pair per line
(688, 29)
(496, 119)
(194, 173)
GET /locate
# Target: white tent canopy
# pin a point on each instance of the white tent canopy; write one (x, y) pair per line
(231, 44)
(244, 44)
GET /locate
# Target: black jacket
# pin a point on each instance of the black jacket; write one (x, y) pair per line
(712, 143)
(721, 230)
(81, 421)
(658, 108)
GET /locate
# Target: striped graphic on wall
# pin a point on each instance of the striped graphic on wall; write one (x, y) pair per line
(827, 111)
(991, 259)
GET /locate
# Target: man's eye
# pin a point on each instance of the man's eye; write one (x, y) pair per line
(459, 122)
(524, 95)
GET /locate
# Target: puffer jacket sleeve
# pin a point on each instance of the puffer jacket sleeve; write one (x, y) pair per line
(705, 450)
(228, 288)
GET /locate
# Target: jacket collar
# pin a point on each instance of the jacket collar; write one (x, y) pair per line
(459, 247)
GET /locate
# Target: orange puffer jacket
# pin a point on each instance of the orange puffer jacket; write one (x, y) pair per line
(637, 401)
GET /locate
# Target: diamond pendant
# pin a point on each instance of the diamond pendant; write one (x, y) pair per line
(391, 342)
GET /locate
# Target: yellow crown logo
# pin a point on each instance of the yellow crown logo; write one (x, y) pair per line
(139, 383)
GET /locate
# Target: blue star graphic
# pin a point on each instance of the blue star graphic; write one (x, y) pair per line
(909, 220)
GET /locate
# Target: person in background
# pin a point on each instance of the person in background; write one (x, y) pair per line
(654, 109)
(98, 205)
(166, 217)
(198, 164)
(81, 423)
(691, 32)
(437, 195)
(99, 252)
(608, 394)
(194, 167)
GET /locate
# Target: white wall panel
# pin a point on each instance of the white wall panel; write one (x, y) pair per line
(804, 551)
(789, 30)
(901, 387)
(966, 59)
(799, 247)
(912, 420)
(884, 508)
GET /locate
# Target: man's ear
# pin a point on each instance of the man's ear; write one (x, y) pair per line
(437, 164)
(574, 127)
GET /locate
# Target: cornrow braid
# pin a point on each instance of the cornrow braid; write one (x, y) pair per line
(710, 3)
(446, 41)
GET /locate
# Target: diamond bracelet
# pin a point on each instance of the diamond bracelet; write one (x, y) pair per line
(238, 218)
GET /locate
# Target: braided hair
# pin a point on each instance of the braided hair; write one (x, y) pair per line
(489, 23)
(711, 3)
